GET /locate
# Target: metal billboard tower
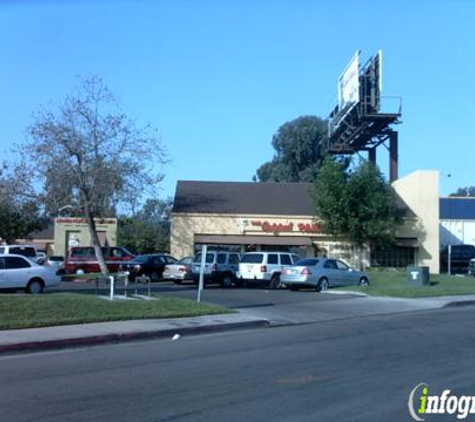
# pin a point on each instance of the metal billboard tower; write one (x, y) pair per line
(358, 122)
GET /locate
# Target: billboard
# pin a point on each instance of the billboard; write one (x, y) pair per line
(348, 83)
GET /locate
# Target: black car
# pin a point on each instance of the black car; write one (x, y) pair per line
(151, 265)
(460, 258)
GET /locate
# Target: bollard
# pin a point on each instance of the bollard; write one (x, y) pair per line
(111, 280)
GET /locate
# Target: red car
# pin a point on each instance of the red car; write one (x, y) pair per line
(82, 259)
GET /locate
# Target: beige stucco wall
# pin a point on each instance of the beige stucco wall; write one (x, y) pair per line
(185, 226)
(420, 191)
(76, 229)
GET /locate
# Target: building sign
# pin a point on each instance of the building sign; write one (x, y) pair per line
(268, 227)
(79, 220)
(348, 83)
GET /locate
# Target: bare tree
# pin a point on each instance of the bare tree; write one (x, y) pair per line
(87, 153)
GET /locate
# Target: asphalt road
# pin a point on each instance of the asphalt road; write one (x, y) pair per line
(359, 369)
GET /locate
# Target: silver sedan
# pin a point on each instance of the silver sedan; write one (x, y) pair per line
(321, 273)
(18, 272)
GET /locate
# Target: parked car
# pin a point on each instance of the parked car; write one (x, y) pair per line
(460, 258)
(471, 267)
(220, 267)
(264, 267)
(82, 259)
(321, 273)
(151, 265)
(55, 261)
(18, 272)
(26, 250)
(179, 271)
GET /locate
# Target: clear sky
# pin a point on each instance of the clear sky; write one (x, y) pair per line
(218, 77)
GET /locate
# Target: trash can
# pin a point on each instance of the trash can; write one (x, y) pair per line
(418, 276)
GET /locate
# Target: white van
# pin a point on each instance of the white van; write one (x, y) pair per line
(264, 267)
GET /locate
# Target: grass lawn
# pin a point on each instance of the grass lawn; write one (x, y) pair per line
(393, 283)
(26, 311)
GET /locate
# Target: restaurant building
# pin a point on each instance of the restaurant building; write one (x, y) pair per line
(247, 216)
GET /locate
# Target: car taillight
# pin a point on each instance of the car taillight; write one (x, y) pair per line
(215, 267)
(306, 271)
(263, 268)
(182, 269)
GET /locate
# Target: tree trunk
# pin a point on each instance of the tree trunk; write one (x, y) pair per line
(95, 240)
(359, 249)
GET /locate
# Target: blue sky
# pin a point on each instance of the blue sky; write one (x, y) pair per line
(218, 77)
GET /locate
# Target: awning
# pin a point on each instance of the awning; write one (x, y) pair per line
(408, 242)
(216, 239)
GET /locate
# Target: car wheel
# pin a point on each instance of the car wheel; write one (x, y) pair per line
(293, 288)
(154, 277)
(35, 286)
(226, 280)
(323, 284)
(80, 271)
(275, 282)
(177, 281)
(364, 281)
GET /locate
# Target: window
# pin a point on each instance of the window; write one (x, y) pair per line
(117, 253)
(14, 262)
(82, 253)
(254, 258)
(2, 263)
(159, 260)
(221, 258)
(24, 250)
(185, 261)
(209, 258)
(170, 260)
(234, 258)
(295, 258)
(307, 262)
(342, 266)
(2, 250)
(330, 264)
(393, 257)
(273, 259)
(285, 260)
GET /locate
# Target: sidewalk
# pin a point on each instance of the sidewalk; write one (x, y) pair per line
(107, 332)
(118, 331)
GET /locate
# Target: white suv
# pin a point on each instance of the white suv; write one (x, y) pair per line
(264, 267)
(26, 250)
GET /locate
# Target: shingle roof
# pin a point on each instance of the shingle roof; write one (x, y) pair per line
(457, 208)
(46, 233)
(243, 198)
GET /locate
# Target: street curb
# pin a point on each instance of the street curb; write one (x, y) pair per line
(129, 336)
(457, 304)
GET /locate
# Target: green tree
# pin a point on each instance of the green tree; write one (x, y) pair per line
(20, 213)
(468, 191)
(360, 206)
(148, 230)
(88, 154)
(299, 151)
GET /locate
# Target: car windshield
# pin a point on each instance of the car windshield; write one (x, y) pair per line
(254, 258)
(307, 262)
